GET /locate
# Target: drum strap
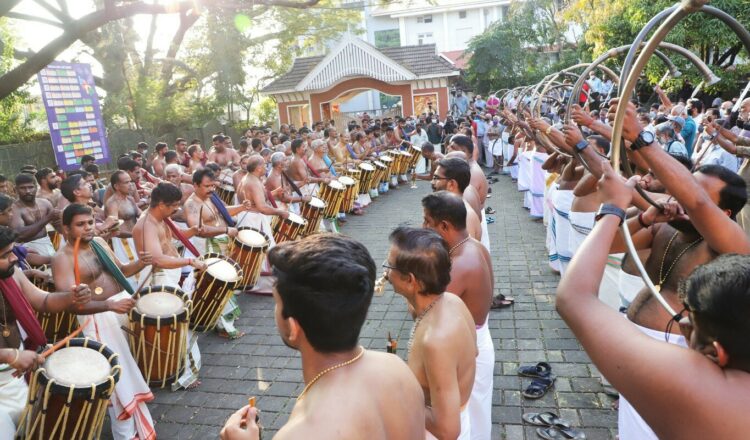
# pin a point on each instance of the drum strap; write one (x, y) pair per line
(23, 312)
(21, 252)
(294, 186)
(315, 173)
(110, 266)
(329, 163)
(270, 198)
(178, 235)
(219, 204)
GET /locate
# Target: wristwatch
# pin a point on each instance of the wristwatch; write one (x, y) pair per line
(581, 145)
(609, 209)
(645, 138)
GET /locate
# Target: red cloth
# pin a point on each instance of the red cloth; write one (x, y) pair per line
(185, 242)
(315, 173)
(269, 196)
(24, 314)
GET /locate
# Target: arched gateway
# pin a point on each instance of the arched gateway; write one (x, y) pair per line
(417, 74)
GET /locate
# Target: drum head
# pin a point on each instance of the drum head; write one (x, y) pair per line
(367, 167)
(294, 218)
(77, 366)
(161, 304)
(386, 158)
(316, 202)
(406, 153)
(417, 148)
(251, 238)
(335, 184)
(348, 181)
(379, 164)
(222, 269)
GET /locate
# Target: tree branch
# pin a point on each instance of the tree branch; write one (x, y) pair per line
(56, 12)
(15, 78)
(187, 20)
(25, 17)
(7, 5)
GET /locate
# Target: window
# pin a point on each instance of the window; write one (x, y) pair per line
(425, 38)
(424, 19)
(387, 38)
(461, 14)
(504, 13)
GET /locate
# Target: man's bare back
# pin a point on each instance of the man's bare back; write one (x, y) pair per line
(358, 403)
(472, 279)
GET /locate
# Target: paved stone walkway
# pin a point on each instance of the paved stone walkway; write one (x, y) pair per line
(531, 331)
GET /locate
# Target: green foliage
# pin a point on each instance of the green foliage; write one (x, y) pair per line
(509, 53)
(15, 117)
(264, 112)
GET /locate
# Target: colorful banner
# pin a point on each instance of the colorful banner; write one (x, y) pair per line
(73, 113)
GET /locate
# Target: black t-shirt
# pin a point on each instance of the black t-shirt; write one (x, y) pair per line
(434, 133)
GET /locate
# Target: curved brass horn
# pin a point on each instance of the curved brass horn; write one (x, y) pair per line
(674, 15)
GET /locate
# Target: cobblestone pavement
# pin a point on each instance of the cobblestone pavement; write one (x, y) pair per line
(531, 331)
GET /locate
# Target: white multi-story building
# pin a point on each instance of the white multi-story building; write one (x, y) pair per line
(450, 24)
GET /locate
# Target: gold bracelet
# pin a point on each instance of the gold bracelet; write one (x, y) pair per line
(18, 354)
(548, 130)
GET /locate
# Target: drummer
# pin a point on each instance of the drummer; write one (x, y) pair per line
(220, 154)
(153, 233)
(18, 295)
(202, 212)
(305, 177)
(290, 195)
(99, 267)
(122, 206)
(261, 205)
(240, 173)
(429, 153)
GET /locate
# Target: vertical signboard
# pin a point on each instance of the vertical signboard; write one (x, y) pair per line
(73, 113)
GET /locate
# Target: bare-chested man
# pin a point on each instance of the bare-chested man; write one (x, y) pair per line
(18, 295)
(159, 162)
(49, 184)
(31, 216)
(452, 175)
(472, 281)
(100, 269)
(241, 172)
(661, 381)
(152, 234)
(711, 198)
(317, 164)
(196, 161)
(429, 153)
(122, 206)
(220, 154)
(252, 189)
(201, 212)
(337, 371)
(443, 346)
(299, 171)
(276, 180)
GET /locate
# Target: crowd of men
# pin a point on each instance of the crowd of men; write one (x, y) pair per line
(152, 219)
(691, 161)
(149, 222)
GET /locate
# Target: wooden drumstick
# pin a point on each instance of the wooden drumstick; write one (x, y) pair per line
(251, 403)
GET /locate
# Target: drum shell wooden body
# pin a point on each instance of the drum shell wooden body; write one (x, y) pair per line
(351, 189)
(225, 188)
(381, 174)
(406, 159)
(416, 154)
(286, 229)
(249, 257)
(390, 163)
(159, 344)
(211, 295)
(58, 325)
(61, 412)
(367, 173)
(313, 215)
(333, 198)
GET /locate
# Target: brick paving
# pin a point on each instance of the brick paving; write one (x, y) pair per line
(531, 331)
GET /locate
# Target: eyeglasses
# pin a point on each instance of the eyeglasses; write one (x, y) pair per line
(387, 266)
(435, 177)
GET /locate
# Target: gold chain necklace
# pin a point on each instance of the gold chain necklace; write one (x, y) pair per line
(663, 278)
(450, 252)
(329, 369)
(418, 321)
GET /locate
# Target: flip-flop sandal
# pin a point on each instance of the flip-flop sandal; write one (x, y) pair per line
(489, 210)
(545, 419)
(560, 433)
(501, 301)
(490, 220)
(538, 388)
(542, 370)
(224, 334)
